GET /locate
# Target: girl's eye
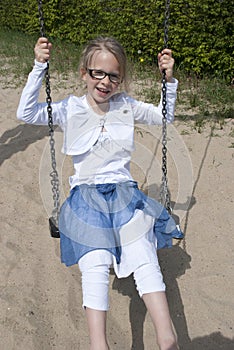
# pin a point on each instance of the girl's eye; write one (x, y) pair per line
(99, 74)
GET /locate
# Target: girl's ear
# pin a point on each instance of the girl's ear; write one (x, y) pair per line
(83, 73)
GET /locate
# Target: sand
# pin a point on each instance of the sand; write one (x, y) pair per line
(40, 299)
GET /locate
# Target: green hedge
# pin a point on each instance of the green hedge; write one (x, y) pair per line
(200, 32)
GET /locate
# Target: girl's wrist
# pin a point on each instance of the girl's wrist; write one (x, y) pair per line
(170, 80)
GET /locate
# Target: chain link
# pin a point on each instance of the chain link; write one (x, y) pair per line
(164, 193)
(54, 174)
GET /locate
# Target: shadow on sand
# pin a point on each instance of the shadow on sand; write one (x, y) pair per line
(19, 138)
(174, 263)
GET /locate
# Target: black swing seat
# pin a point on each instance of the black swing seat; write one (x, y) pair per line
(54, 231)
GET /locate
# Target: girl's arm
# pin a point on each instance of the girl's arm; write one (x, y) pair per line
(29, 109)
(148, 113)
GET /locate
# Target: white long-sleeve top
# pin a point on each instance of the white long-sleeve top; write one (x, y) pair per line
(98, 157)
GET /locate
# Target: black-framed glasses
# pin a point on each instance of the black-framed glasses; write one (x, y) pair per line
(100, 74)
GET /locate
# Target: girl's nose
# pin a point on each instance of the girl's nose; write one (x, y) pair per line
(106, 80)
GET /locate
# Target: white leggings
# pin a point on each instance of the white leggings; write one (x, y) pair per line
(95, 279)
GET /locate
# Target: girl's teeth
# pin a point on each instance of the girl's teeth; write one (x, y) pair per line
(102, 90)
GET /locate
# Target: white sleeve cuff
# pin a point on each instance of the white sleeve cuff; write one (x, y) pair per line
(42, 65)
(174, 81)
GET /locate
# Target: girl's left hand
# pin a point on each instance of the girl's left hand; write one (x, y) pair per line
(166, 61)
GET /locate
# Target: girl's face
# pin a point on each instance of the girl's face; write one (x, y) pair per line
(100, 90)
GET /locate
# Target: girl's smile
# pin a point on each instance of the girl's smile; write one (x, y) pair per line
(100, 90)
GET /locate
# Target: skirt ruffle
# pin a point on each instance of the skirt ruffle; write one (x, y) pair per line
(92, 216)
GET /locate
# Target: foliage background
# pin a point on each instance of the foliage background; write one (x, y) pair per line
(200, 32)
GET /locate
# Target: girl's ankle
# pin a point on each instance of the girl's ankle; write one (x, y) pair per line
(168, 344)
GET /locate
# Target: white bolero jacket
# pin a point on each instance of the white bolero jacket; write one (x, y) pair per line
(81, 125)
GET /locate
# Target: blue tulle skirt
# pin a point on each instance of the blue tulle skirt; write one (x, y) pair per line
(92, 216)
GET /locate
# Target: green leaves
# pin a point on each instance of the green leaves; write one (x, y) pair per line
(200, 32)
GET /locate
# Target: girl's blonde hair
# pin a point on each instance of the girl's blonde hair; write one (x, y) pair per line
(109, 44)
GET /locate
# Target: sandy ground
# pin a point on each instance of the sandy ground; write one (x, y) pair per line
(40, 299)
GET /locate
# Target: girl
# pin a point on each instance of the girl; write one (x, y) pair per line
(107, 220)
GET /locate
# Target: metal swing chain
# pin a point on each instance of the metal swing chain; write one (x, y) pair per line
(54, 174)
(164, 193)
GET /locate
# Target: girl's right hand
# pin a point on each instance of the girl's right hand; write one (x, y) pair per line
(42, 50)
